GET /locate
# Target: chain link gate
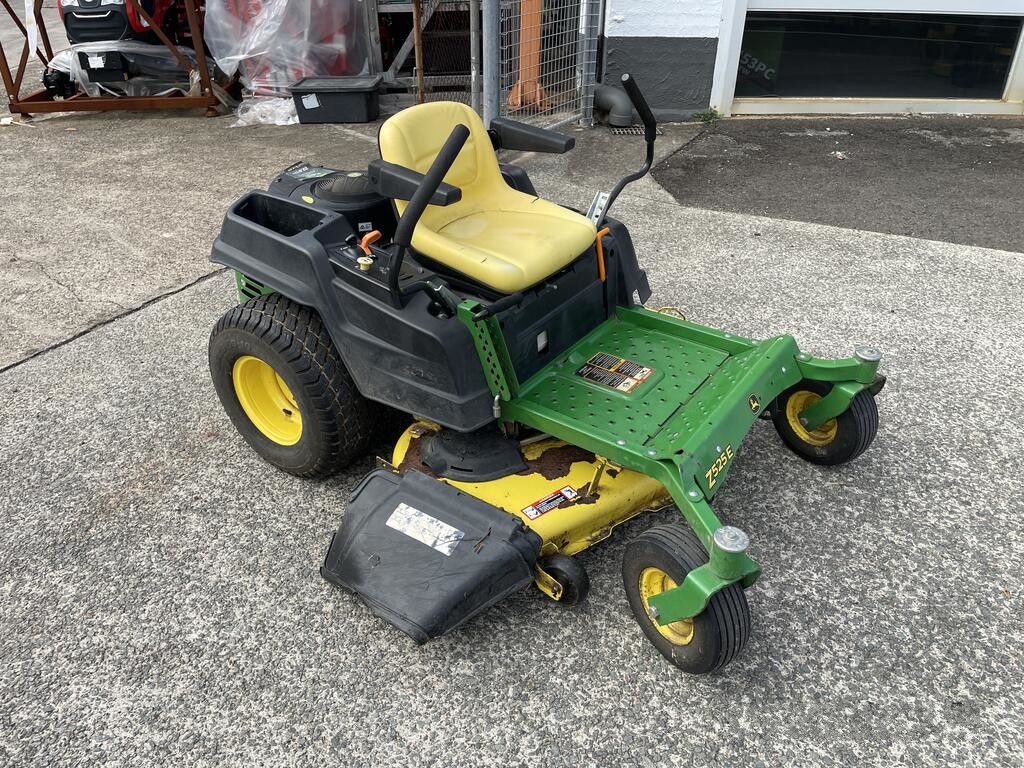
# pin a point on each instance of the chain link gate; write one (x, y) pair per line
(539, 62)
(547, 59)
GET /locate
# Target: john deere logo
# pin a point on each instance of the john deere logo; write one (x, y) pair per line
(754, 403)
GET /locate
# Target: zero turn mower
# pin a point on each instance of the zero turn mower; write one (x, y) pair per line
(547, 405)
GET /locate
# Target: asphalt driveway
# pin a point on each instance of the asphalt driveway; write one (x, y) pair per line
(160, 602)
(953, 178)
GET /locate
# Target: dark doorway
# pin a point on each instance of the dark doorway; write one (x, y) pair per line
(876, 55)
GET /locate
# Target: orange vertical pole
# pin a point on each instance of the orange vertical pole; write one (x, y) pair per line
(528, 92)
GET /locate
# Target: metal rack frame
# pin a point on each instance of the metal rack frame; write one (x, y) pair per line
(41, 101)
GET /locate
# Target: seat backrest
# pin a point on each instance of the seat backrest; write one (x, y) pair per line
(414, 136)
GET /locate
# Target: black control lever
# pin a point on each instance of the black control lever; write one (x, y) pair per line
(506, 302)
(431, 181)
(443, 295)
(650, 134)
(402, 240)
(641, 107)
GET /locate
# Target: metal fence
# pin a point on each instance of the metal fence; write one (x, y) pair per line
(538, 63)
(446, 53)
(450, 38)
(547, 59)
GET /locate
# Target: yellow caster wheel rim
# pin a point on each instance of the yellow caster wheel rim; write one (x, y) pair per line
(266, 400)
(654, 581)
(797, 403)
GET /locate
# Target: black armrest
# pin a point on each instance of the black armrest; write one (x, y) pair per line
(511, 134)
(400, 183)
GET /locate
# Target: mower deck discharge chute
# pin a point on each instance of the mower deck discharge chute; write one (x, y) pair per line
(424, 575)
(549, 406)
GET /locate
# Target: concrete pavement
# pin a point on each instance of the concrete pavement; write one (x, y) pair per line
(952, 178)
(159, 596)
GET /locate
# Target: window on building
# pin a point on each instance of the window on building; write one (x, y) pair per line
(876, 55)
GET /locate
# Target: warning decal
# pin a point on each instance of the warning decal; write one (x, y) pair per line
(549, 502)
(615, 372)
(420, 526)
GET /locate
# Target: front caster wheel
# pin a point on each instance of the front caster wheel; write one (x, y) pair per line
(658, 560)
(838, 440)
(570, 575)
(283, 384)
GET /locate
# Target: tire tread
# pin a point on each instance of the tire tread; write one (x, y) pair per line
(297, 333)
(860, 417)
(728, 606)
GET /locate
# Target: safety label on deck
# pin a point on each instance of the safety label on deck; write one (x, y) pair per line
(615, 372)
(549, 502)
(422, 527)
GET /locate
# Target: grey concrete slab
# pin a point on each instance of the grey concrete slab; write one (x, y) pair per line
(161, 603)
(941, 178)
(101, 213)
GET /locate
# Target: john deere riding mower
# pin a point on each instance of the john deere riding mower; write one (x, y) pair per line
(545, 404)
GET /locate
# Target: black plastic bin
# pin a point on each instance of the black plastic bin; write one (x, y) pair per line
(337, 99)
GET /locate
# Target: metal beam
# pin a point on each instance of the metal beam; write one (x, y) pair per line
(410, 40)
(491, 42)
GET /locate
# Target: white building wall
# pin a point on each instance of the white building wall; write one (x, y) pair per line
(669, 46)
(662, 18)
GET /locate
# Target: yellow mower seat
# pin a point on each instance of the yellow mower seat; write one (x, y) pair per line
(495, 235)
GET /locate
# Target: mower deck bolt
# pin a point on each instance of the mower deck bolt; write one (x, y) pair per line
(731, 539)
(620, 442)
(652, 453)
(693, 494)
(867, 354)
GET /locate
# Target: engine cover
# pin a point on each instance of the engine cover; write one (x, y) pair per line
(346, 192)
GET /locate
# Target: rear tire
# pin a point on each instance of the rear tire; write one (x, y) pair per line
(839, 440)
(659, 559)
(302, 411)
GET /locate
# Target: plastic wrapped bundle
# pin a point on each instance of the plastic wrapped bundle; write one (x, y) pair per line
(274, 43)
(130, 68)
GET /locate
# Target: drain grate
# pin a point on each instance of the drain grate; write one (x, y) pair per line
(631, 130)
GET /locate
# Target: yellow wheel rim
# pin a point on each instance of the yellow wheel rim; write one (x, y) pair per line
(654, 581)
(266, 400)
(797, 403)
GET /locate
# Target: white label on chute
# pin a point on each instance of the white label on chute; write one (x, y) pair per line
(422, 527)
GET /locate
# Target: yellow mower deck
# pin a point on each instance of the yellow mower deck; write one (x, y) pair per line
(569, 497)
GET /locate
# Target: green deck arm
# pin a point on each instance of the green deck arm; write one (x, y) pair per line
(490, 346)
(724, 567)
(849, 377)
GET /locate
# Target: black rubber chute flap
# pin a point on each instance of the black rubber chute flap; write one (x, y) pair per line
(425, 556)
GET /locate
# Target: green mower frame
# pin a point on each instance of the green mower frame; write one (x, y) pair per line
(689, 452)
